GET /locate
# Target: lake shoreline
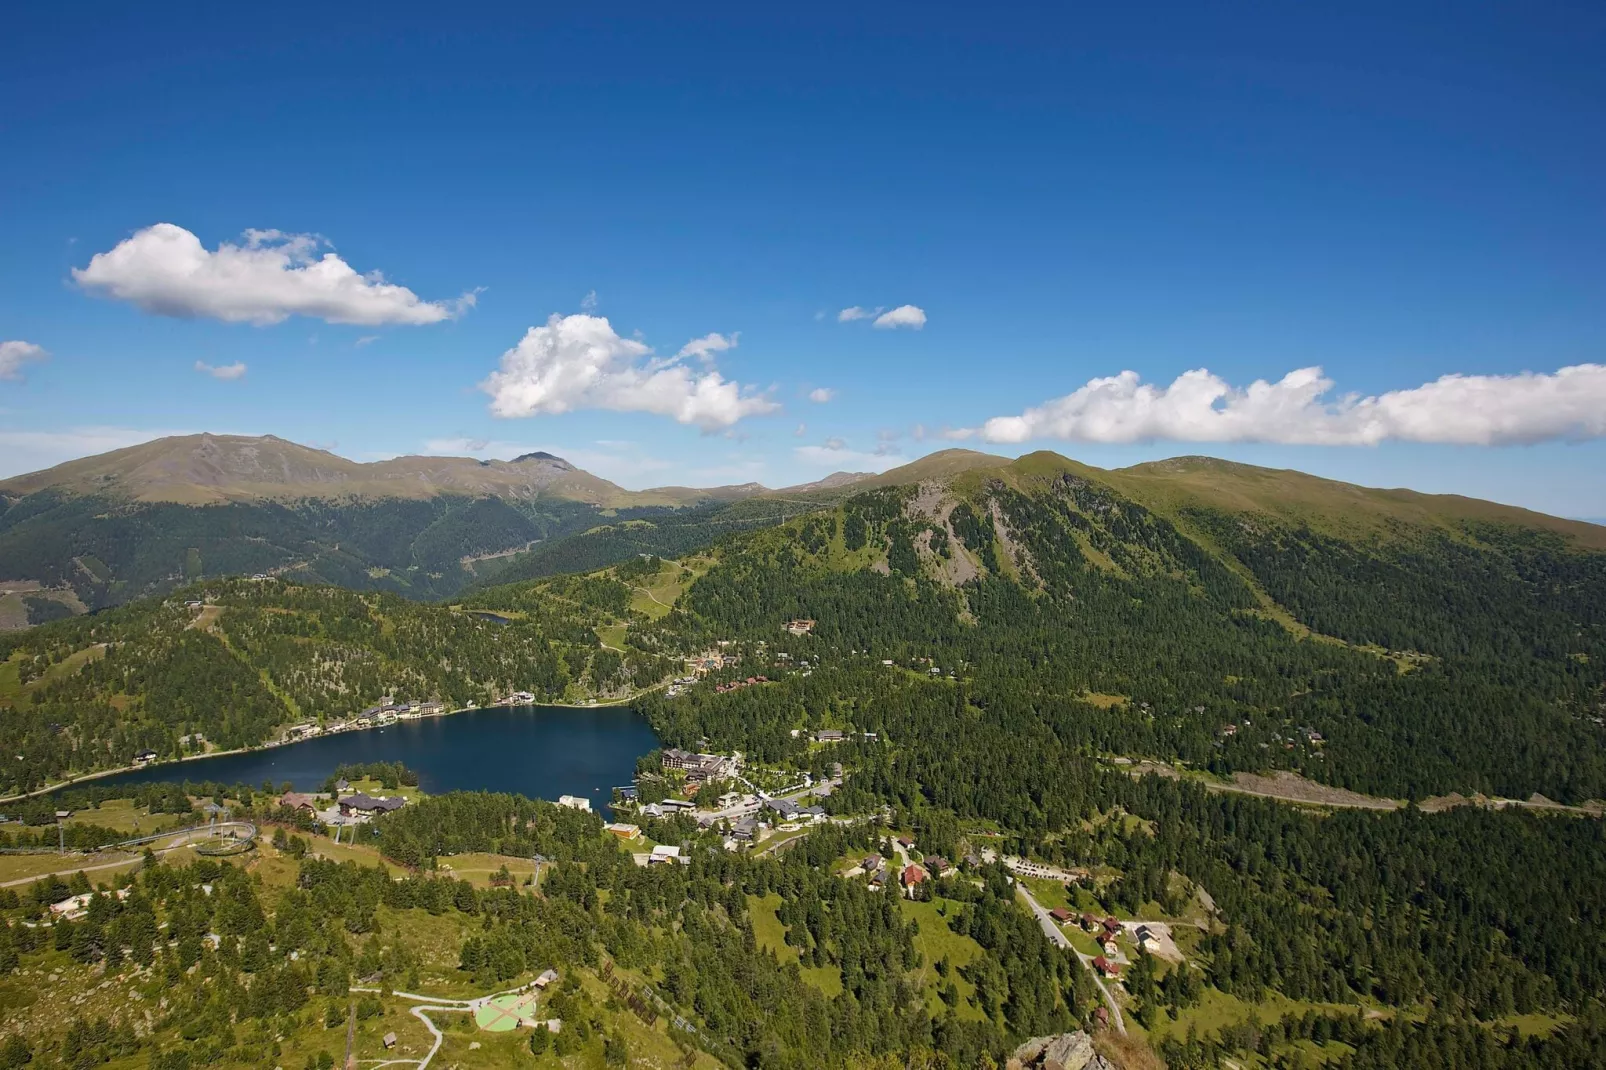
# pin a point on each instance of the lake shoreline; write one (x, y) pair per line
(86, 779)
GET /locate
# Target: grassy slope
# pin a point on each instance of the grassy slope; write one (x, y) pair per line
(1343, 510)
(771, 936)
(937, 941)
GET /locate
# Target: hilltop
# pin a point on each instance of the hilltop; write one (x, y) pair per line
(997, 654)
(216, 469)
(103, 530)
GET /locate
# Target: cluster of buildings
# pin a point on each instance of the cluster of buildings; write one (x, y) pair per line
(387, 713)
(702, 766)
(736, 685)
(713, 659)
(667, 808)
(837, 735)
(787, 810)
(390, 713)
(343, 809)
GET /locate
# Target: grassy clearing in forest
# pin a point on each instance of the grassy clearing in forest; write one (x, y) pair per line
(771, 935)
(936, 941)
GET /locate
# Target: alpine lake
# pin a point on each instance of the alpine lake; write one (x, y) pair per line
(538, 751)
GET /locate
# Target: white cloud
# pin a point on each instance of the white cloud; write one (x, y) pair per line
(14, 354)
(834, 457)
(848, 315)
(910, 316)
(802, 429)
(705, 347)
(366, 340)
(271, 276)
(820, 395)
(589, 302)
(579, 362)
(1469, 410)
(226, 372)
(835, 445)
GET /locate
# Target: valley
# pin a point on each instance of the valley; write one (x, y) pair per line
(1227, 722)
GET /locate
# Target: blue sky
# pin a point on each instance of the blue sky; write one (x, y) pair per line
(1388, 193)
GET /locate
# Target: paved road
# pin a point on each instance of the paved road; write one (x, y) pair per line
(190, 836)
(1052, 931)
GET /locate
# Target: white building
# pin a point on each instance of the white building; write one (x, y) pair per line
(575, 802)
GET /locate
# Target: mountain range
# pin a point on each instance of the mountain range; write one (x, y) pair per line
(102, 530)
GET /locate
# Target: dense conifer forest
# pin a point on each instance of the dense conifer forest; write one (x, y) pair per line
(1001, 650)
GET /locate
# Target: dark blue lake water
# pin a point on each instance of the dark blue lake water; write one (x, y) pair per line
(538, 751)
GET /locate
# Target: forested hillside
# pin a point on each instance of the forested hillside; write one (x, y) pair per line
(252, 656)
(105, 530)
(1431, 661)
(109, 552)
(998, 646)
(661, 533)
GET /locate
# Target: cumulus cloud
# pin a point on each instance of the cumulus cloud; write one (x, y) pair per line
(225, 372)
(579, 362)
(267, 278)
(820, 395)
(848, 315)
(1300, 409)
(14, 354)
(911, 316)
(705, 347)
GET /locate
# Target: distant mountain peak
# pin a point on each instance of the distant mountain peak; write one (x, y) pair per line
(542, 455)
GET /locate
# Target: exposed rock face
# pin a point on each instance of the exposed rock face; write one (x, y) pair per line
(1066, 1051)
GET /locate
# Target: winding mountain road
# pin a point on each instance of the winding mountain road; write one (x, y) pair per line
(1052, 931)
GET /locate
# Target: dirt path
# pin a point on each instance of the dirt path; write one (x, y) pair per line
(69, 872)
(1291, 787)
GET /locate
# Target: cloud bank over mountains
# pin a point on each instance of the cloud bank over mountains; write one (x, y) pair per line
(1300, 409)
(271, 276)
(579, 362)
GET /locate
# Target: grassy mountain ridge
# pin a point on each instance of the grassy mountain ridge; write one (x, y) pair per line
(103, 530)
(107, 551)
(212, 469)
(1460, 654)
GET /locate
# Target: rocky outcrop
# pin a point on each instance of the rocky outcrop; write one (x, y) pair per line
(1064, 1051)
